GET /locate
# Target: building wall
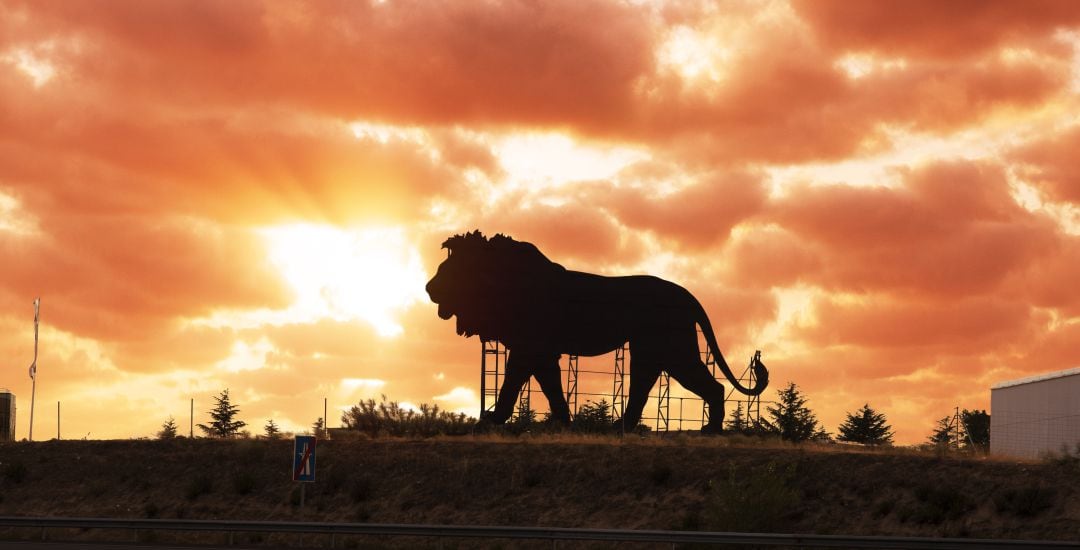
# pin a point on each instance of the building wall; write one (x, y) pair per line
(7, 416)
(1030, 419)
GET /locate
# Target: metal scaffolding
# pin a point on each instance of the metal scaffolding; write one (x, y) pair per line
(493, 364)
(618, 391)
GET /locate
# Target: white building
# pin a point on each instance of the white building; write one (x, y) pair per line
(1036, 415)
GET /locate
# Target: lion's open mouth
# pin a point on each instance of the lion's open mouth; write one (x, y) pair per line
(446, 313)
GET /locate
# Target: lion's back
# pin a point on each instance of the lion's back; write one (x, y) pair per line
(599, 313)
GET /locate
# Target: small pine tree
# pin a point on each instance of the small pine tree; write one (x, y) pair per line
(866, 426)
(737, 423)
(271, 429)
(594, 417)
(942, 436)
(524, 418)
(319, 428)
(223, 414)
(792, 420)
(168, 429)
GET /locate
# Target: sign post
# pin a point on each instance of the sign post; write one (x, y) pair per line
(303, 466)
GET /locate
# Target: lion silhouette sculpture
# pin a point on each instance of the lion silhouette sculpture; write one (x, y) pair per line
(507, 290)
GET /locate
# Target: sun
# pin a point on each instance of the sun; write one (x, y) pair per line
(367, 274)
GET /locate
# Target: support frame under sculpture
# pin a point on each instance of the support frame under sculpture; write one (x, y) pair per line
(492, 371)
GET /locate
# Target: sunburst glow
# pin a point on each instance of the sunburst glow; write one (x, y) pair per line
(345, 274)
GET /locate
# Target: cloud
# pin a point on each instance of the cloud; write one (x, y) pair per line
(125, 277)
(1046, 164)
(952, 230)
(957, 326)
(925, 28)
(472, 63)
(697, 216)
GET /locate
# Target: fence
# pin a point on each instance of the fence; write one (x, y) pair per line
(553, 534)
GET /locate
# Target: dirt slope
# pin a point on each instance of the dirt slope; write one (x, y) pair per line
(677, 483)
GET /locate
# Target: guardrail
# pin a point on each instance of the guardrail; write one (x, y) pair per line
(553, 534)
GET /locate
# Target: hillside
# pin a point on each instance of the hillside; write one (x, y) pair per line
(676, 483)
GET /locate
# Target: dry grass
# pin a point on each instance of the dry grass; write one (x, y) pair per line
(563, 479)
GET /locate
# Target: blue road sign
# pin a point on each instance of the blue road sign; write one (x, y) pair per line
(303, 462)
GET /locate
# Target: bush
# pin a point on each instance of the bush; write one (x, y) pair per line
(361, 489)
(198, 486)
(1025, 502)
(936, 504)
(243, 482)
(755, 500)
(390, 419)
(661, 472)
(15, 472)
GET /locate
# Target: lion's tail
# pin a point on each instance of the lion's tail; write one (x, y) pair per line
(760, 372)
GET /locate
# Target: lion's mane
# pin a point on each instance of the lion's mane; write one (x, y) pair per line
(492, 283)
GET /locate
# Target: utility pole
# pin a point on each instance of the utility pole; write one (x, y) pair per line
(58, 421)
(325, 421)
(33, 366)
(956, 422)
(191, 420)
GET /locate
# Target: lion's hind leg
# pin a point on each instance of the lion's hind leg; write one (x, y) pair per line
(695, 377)
(643, 374)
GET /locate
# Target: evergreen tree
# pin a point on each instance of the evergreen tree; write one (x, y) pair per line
(737, 423)
(524, 418)
(272, 430)
(594, 417)
(943, 434)
(977, 425)
(319, 428)
(866, 426)
(168, 429)
(792, 420)
(223, 414)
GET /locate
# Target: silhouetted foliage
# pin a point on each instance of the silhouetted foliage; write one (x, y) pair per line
(594, 417)
(15, 472)
(318, 428)
(944, 434)
(387, 418)
(1025, 502)
(977, 425)
(198, 486)
(271, 429)
(168, 429)
(738, 422)
(223, 414)
(866, 426)
(792, 420)
(751, 500)
(936, 503)
(524, 420)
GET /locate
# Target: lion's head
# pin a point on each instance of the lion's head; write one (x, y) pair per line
(487, 283)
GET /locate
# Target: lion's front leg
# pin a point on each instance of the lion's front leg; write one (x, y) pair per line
(518, 371)
(550, 378)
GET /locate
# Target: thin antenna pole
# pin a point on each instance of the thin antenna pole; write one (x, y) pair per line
(191, 420)
(956, 426)
(325, 422)
(33, 366)
(58, 421)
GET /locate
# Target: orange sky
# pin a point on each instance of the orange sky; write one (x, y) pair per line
(250, 195)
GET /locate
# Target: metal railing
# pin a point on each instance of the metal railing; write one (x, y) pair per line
(553, 534)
